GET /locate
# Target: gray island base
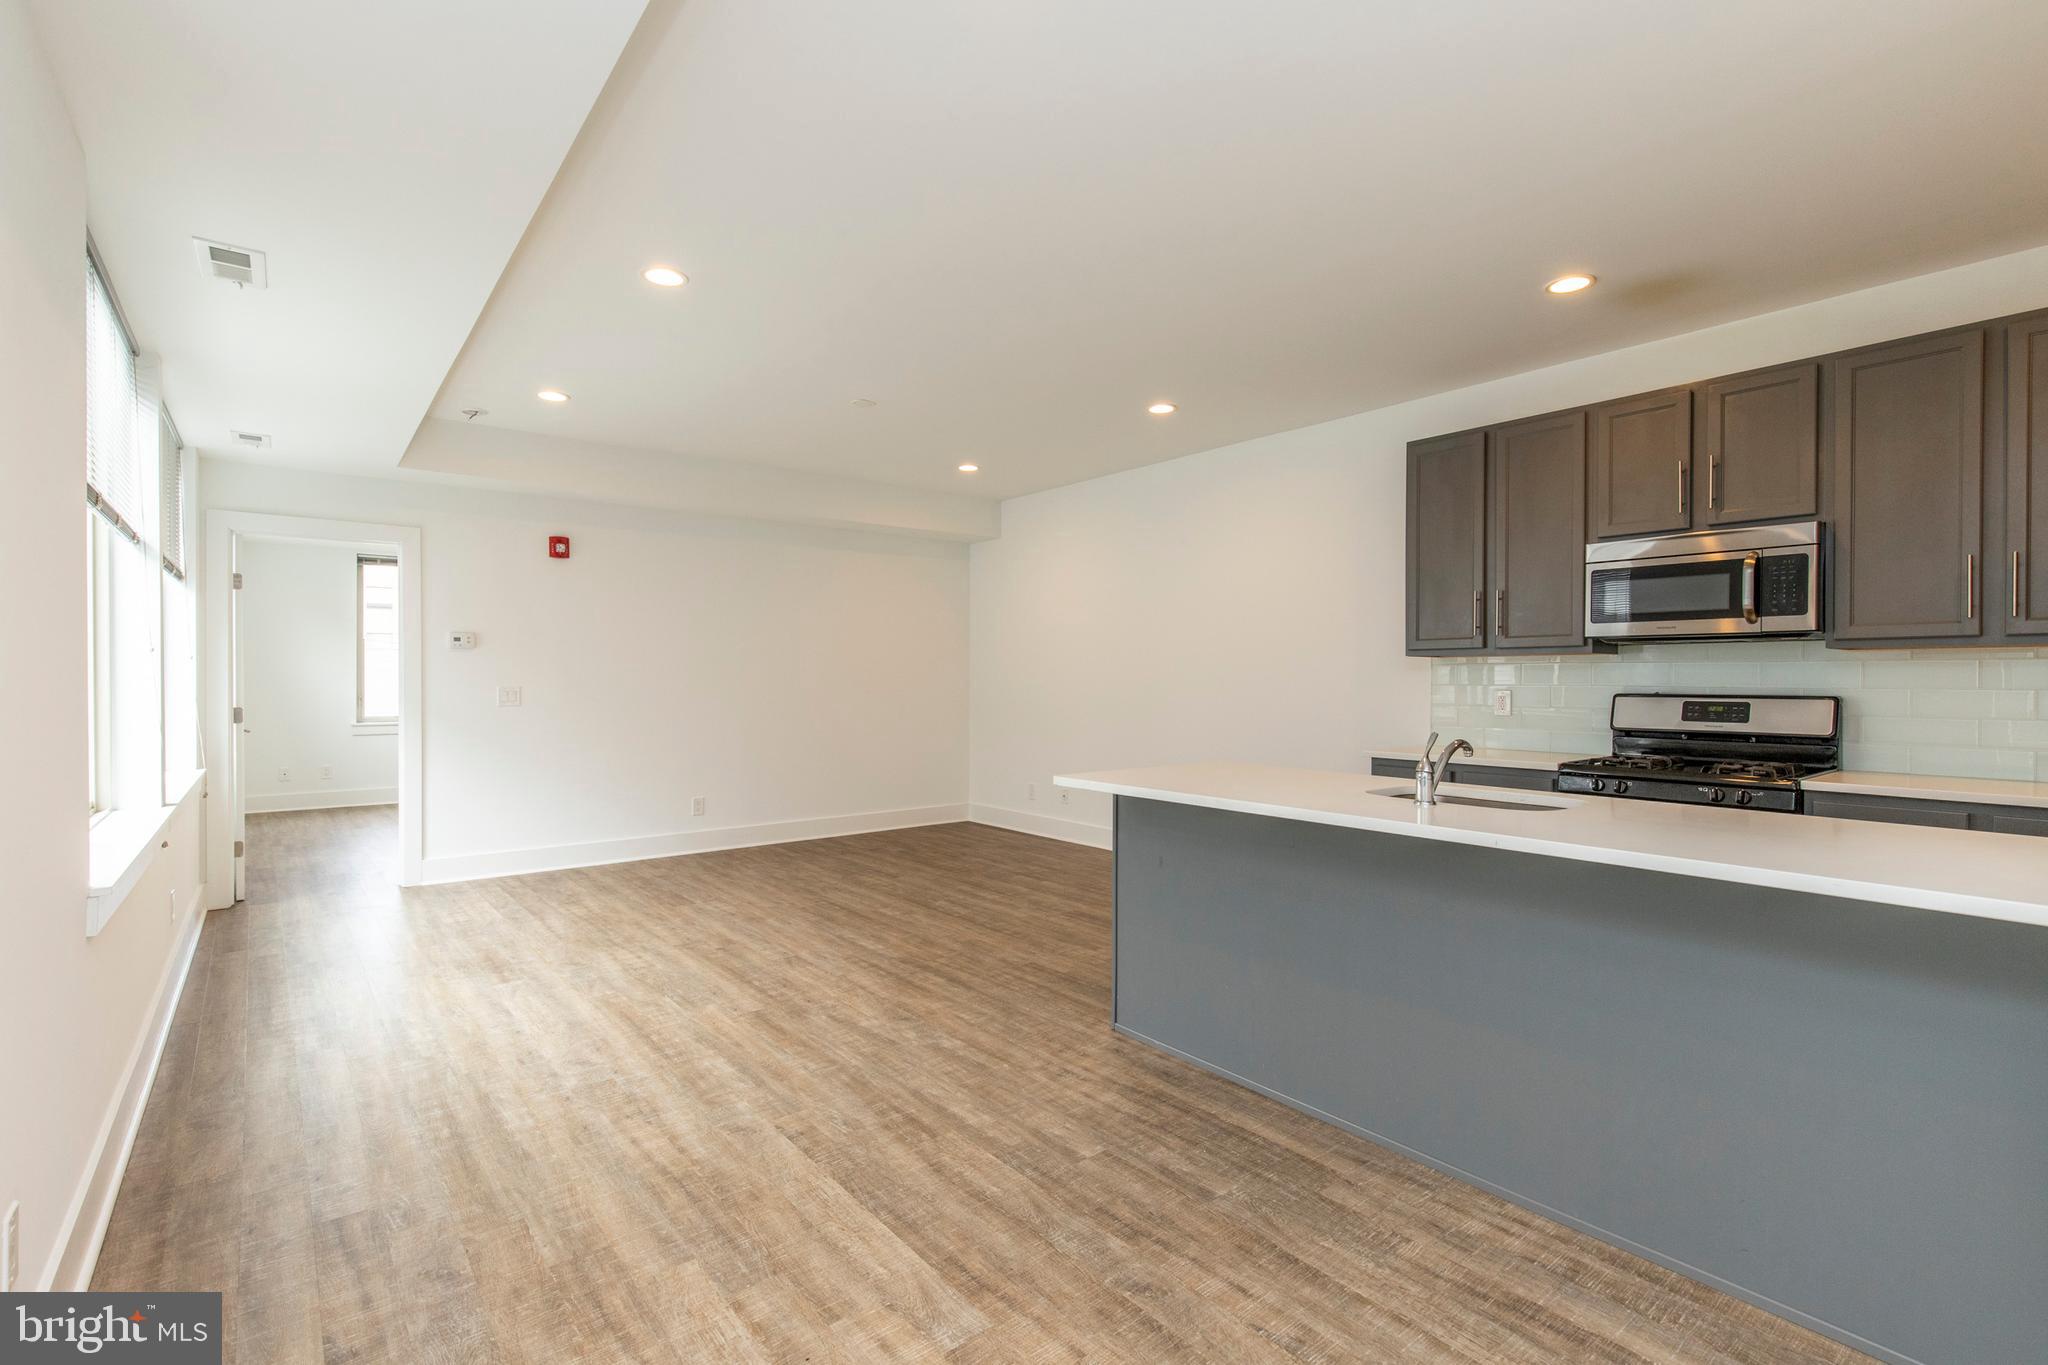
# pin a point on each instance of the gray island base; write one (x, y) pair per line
(1835, 1109)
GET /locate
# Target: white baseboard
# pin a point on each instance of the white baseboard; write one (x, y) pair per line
(465, 867)
(85, 1223)
(1046, 826)
(322, 800)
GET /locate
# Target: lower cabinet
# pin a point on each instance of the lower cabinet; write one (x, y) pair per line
(1894, 810)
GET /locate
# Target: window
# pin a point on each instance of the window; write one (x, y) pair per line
(120, 630)
(142, 697)
(376, 640)
(180, 610)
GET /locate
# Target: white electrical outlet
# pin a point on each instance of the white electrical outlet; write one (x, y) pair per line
(511, 696)
(10, 1248)
(696, 805)
(284, 774)
(1503, 702)
(1030, 791)
(326, 774)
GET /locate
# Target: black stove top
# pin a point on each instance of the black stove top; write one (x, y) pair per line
(1669, 768)
(1712, 751)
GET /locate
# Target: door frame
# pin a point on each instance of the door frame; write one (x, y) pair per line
(227, 802)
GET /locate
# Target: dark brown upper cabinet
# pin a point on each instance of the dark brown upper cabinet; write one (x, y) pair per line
(1536, 562)
(1761, 446)
(1642, 465)
(2025, 576)
(1447, 544)
(1908, 463)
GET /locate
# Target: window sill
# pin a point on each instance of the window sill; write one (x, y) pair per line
(375, 727)
(122, 845)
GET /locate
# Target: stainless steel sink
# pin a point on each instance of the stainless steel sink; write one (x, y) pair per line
(1448, 799)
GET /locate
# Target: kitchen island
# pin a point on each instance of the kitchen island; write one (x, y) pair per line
(1804, 1061)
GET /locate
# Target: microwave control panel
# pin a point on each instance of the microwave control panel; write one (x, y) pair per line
(1781, 582)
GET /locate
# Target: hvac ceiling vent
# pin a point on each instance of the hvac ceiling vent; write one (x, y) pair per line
(250, 440)
(239, 265)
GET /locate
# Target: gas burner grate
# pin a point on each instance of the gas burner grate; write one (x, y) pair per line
(1754, 772)
(1636, 763)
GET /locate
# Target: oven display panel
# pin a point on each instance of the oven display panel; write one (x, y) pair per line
(1716, 712)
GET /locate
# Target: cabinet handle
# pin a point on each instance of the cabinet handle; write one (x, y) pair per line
(1681, 488)
(1500, 607)
(2015, 585)
(1971, 570)
(1477, 626)
(1713, 483)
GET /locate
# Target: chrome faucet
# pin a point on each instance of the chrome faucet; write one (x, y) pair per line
(1431, 771)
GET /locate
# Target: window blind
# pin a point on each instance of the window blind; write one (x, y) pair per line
(113, 456)
(171, 493)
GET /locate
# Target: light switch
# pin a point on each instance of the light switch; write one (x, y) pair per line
(511, 696)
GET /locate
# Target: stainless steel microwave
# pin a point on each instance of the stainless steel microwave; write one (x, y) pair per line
(1755, 580)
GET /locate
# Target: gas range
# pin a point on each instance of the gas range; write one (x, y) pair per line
(1743, 751)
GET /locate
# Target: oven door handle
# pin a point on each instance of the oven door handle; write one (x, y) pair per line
(1749, 563)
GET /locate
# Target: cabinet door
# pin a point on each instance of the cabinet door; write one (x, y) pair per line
(1887, 811)
(1536, 473)
(1514, 779)
(1909, 490)
(1447, 543)
(2021, 590)
(1763, 446)
(1642, 465)
(2011, 820)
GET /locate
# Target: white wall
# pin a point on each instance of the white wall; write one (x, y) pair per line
(298, 620)
(802, 680)
(1248, 602)
(72, 1010)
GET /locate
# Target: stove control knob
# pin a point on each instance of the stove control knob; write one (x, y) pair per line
(1599, 784)
(1716, 795)
(1743, 798)
(1621, 789)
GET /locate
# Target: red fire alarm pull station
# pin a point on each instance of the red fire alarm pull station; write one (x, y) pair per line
(558, 547)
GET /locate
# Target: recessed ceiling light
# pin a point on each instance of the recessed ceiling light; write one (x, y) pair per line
(969, 468)
(863, 402)
(1569, 284)
(666, 276)
(1160, 409)
(552, 396)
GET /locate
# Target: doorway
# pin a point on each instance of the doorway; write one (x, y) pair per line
(313, 693)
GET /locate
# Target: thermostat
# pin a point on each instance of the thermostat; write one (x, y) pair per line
(462, 639)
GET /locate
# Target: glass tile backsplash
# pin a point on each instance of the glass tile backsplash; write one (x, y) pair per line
(1951, 712)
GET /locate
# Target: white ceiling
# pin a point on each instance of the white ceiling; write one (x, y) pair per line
(1011, 226)
(387, 155)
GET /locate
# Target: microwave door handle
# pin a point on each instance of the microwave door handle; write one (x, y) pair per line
(1749, 563)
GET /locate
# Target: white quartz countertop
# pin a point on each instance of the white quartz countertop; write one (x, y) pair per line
(1986, 791)
(1992, 876)
(1492, 758)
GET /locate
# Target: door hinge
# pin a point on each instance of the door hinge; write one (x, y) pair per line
(238, 580)
(238, 848)
(238, 715)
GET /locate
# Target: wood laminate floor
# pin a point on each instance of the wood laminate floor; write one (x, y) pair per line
(849, 1100)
